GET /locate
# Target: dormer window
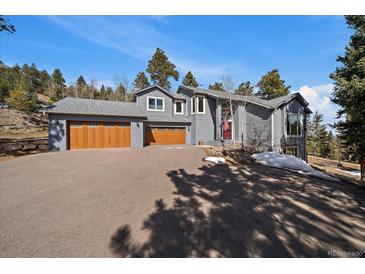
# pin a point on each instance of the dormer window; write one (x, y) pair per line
(155, 103)
(179, 107)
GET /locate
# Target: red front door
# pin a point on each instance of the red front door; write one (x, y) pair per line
(227, 130)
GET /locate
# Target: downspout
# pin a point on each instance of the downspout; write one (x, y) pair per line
(272, 130)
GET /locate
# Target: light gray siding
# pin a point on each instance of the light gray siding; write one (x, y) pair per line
(137, 134)
(57, 130)
(278, 129)
(205, 123)
(239, 124)
(193, 127)
(218, 121)
(168, 101)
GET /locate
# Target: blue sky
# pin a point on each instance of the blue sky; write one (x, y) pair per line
(303, 48)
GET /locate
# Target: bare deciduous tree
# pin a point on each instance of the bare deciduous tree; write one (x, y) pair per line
(229, 88)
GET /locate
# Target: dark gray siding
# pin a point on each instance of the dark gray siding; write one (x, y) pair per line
(299, 141)
(258, 127)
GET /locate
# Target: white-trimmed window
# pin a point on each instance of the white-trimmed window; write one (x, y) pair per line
(200, 104)
(179, 107)
(155, 104)
(193, 105)
(293, 124)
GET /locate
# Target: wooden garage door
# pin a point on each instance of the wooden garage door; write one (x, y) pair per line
(99, 135)
(165, 136)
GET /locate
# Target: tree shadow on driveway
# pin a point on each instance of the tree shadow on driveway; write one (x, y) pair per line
(250, 211)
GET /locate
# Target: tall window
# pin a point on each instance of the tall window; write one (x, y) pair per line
(193, 105)
(178, 107)
(293, 124)
(155, 104)
(201, 105)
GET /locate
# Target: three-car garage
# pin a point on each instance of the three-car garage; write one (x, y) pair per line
(99, 134)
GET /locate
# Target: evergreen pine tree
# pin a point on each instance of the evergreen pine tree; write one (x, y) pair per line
(59, 87)
(245, 88)
(120, 93)
(109, 93)
(21, 98)
(349, 91)
(216, 86)
(141, 81)
(102, 93)
(189, 80)
(318, 137)
(5, 25)
(272, 86)
(81, 88)
(161, 69)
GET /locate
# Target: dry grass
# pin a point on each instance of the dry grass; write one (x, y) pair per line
(331, 167)
(327, 162)
(15, 124)
(234, 154)
(23, 134)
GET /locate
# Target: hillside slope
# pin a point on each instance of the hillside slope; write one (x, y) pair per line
(15, 124)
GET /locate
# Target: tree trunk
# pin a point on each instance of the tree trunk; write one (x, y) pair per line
(362, 168)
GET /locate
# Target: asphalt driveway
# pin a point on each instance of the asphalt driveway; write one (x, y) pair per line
(167, 202)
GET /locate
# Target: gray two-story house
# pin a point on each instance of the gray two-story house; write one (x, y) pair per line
(189, 116)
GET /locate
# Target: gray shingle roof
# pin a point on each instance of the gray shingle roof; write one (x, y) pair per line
(169, 119)
(172, 94)
(273, 103)
(70, 105)
(225, 95)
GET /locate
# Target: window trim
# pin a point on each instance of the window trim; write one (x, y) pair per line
(197, 105)
(192, 105)
(154, 97)
(300, 123)
(182, 108)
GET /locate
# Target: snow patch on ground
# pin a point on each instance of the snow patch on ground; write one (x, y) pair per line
(217, 160)
(353, 173)
(290, 162)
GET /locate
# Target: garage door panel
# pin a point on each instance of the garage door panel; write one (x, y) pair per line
(84, 135)
(165, 136)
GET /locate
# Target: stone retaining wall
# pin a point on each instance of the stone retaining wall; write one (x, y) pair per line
(23, 145)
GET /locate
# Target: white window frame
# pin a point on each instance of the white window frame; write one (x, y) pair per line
(182, 108)
(197, 105)
(153, 97)
(192, 105)
(300, 123)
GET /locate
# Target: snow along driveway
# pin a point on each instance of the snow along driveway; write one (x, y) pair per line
(291, 163)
